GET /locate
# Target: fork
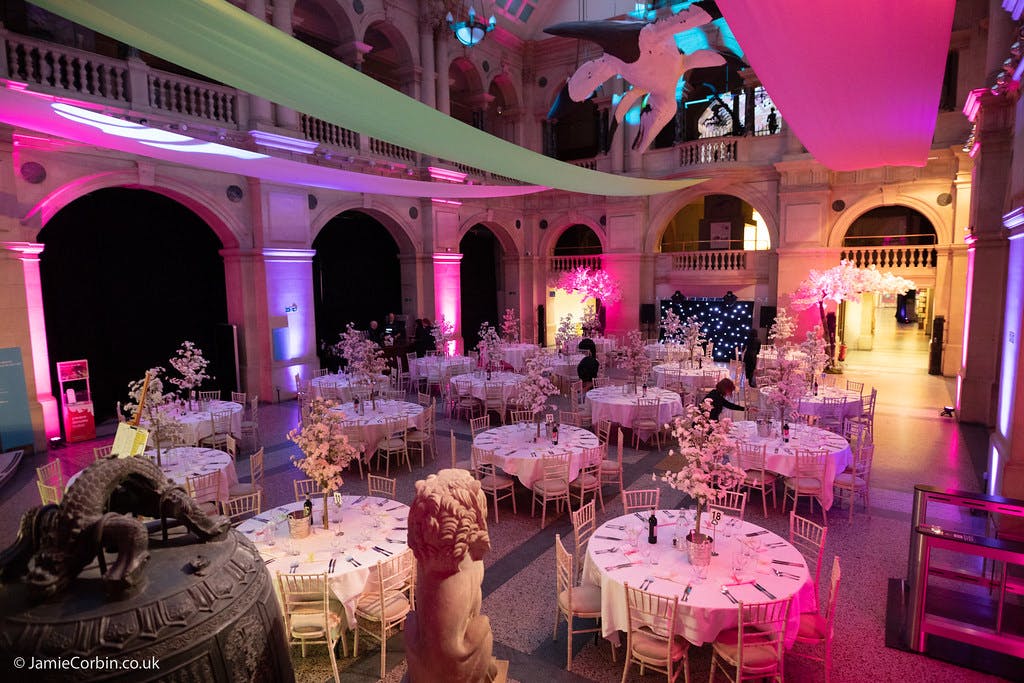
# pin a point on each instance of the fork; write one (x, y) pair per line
(726, 593)
(785, 575)
(646, 583)
(613, 549)
(293, 568)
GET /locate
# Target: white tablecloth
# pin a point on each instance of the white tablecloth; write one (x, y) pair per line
(516, 354)
(371, 421)
(341, 380)
(850, 402)
(430, 368)
(563, 365)
(515, 452)
(781, 457)
(509, 382)
(691, 377)
(360, 532)
(196, 424)
(661, 350)
(609, 403)
(707, 611)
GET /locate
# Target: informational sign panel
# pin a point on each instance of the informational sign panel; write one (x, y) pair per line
(129, 440)
(76, 400)
(15, 419)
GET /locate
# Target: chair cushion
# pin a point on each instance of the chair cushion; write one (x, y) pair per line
(390, 444)
(609, 466)
(812, 627)
(806, 484)
(312, 625)
(585, 599)
(646, 424)
(849, 479)
(757, 657)
(755, 479)
(585, 481)
(395, 605)
(417, 436)
(495, 481)
(550, 486)
(242, 490)
(649, 646)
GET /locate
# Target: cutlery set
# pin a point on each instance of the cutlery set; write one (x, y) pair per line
(293, 568)
(608, 538)
(726, 593)
(354, 562)
(646, 583)
(785, 575)
(330, 565)
(382, 551)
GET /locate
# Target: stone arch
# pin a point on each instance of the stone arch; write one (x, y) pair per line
(226, 226)
(403, 62)
(398, 228)
(507, 87)
(466, 90)
(504, 236)
(675, 202)
(943, 226)
(547, 245)
(328, 20)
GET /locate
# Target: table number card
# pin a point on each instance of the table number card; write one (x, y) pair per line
(716, 517)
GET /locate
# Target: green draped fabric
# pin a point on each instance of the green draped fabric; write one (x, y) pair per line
(225, 43)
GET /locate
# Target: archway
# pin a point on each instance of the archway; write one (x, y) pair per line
(577, 240)
(480, 276)
(323, 26)
(124, 294)
(356, 274)
(501, 114)
(387, 59)
(716, 221)
(577, 246)
(577, 132)
(465, 95)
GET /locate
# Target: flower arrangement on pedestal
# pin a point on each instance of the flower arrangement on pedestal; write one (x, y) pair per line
(672, 327)
(536, 388)
(443, 332)
(566, 332)
(635, 357)
(490, 346)
(595, 283)
(326, 452)
(814, 351)
(191, 365)
(783, 328)
(591, 323)
(510, 327)
(693, 337)
(704, 445)
(155, 409)
(845, 282)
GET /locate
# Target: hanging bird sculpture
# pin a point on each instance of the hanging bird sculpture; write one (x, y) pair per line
(646, 55)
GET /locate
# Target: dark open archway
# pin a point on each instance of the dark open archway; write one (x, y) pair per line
(127, 275)
(479, 273)
(886, 226)
(356, 274)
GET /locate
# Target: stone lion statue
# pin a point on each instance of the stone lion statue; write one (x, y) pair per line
(447, 639)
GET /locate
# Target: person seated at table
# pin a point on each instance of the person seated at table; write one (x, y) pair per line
(588, 366)
(375, 333)
(719, 397)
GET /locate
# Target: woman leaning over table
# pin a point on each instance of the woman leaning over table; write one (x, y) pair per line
(719, 397)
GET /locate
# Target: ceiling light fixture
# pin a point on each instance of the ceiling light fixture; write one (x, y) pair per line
(470, 31)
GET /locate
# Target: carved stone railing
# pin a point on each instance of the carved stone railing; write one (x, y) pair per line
(710, 151)
(318, 130)
(717, 260)
(65, 69)
(386, 149)
(922, 256)
(586, 163)
(558, 264)
(189, 97)
(479, 172)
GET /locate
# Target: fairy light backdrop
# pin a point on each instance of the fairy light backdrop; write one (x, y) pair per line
(725, 326)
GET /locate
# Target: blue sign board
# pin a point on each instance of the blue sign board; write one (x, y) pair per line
(15, 420)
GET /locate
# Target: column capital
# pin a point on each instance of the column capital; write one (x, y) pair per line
(287, 255)
(29, 250)
(449, 257)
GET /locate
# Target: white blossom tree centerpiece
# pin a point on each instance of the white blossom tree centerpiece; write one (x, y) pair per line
(156, 409)
(672, 327)
(591, 283)
(787, 383)
(590, 325)
(510, 327)
(566, 332)
(365, 359)
(783, 329)
(535, 389)
(813, 348)
(845, 282)
(693, 338)
(490, 346)
(635, 358)
(704, 445)
(443, 332)
(191, 365)
(326, 451)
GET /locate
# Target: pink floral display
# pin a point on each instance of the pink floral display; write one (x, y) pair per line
(190, 363)
(536, 388)
(597, 284)
(510, 327)
(787, 383)
(704, 445)
(324, 445)
(636, 360)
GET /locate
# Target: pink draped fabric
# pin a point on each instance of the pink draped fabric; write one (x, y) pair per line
(858, 82)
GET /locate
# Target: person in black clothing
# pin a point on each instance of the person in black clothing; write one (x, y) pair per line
(423, 338)
(588, 366)
(720, 398)
(750, 352)
(375, 333)
(729, 299)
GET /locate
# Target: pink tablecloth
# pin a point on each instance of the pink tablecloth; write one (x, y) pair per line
(513, 449)
(372, 421)
(693, 378)
(609, 403)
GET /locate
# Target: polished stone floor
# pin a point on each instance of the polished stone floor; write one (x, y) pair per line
(914, 446)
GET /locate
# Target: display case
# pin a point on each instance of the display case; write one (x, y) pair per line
(76, 400)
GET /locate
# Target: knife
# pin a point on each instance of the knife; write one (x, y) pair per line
(764, 590)
(609, 538)
(758, 533)
(788, 564)
(392, 509)
(726, 593)
(383, 552)
(360, 499)
(619, 566)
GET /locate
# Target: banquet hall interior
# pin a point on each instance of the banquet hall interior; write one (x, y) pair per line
(408, 224)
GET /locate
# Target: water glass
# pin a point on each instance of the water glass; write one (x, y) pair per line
(270, 533)
(699, 572)
(725, 526)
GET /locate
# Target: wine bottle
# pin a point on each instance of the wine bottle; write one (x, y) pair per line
(554, 435)
(652, 528)
(785, 432)
(307, 507)
(815, 387)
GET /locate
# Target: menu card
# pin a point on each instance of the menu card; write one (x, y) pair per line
(129, 440)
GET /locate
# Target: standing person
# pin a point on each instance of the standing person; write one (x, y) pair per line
(424, 338)
(720, 398)
(375, 333)
(588, 366)
(750, 352)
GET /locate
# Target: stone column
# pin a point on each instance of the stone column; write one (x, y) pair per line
(616, 150)
(247, 308)
(448, 291)
(282, 18)
(353, 53)
(24, 327)
(417, 285)
(259, 108)
(428, 73)
(441, 68)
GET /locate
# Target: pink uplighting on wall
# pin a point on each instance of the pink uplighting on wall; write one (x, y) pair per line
(448, 293)
(967, 318)
(290, 296)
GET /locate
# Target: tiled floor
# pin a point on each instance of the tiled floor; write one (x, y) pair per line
(914, 445)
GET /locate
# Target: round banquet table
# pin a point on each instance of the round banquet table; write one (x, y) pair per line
(781, 457)
(509, 382)
(706, 611)
(364, 522)
(693, 378)
(660, 350)
(609, 403)
(181, 462)
(197, 424)
(516, 354)
(513, 449)
(372, 421)
(849, 405)
(340, 380)
(563, 365)
(431, 368)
